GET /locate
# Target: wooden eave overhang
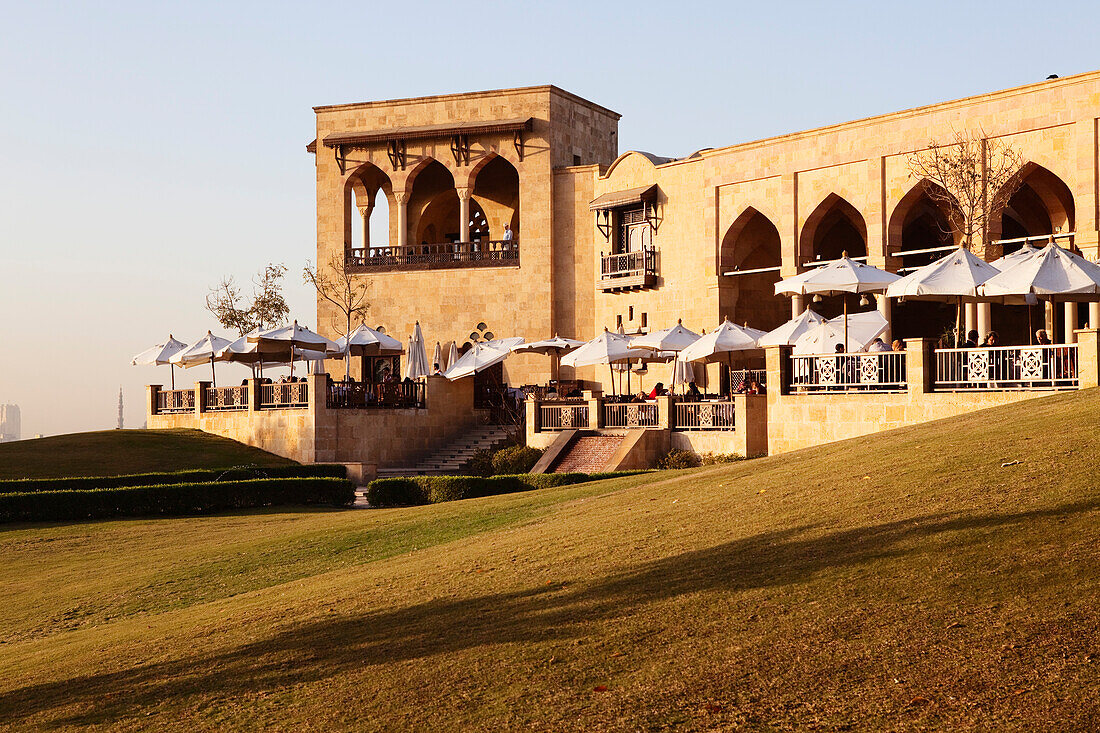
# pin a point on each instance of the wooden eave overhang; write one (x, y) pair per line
(629, 197)
(423, 132)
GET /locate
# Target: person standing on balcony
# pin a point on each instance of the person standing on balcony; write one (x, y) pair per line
(509, 237)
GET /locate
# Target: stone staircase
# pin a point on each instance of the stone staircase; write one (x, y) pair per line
(588, 454)
(450, 458)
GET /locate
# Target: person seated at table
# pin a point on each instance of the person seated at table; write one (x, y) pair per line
(1042, 338)
(641, 396)
(693, 391)
(436, 371)
(658, 390)
(877, 346)
(990, 339)
(971, 340)
(244, 382)
(898, 345)
(754, 387)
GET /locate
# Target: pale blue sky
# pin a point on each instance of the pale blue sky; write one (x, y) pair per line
(147, 149)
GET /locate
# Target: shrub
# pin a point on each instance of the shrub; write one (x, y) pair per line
(436, 489)
(172, 499)
(677, 458)
(515, 459)
(480, 464)
(235, 473)
(711, 459)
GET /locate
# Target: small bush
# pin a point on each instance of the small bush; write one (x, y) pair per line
(436, 489)
(712, 459)
(480, 464)
(172, 499)
(515, 459)
(235, 473)
(677, 458)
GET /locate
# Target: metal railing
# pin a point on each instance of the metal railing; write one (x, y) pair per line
(1052, 366)
(433, 256)
(226, 398)
(563, 417)
(641, 262)
(741, 378)
(882, 371)
(175, 400)
(289, 394)
(704, 416)
(393, 396)
(630, 415)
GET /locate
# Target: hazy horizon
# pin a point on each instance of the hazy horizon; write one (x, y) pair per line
(150, 151)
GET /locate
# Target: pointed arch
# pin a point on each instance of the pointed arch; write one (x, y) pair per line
(494, 184)
(432, 208)
(1042, 204)
(752, 242)
(361, 196)
(835, 226)
(921, 220)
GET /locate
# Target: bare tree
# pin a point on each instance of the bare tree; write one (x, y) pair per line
(267, 309)
(340, 288)
(972, 180)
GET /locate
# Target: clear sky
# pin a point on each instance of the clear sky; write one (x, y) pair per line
(147, 149)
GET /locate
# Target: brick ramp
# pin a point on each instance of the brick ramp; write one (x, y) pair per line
(588, 454)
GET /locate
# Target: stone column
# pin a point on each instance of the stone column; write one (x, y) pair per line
(970, 319)
(200, 397)
(253, 397)
(882, 303)
(402, 200)
(463, 214)
(798, 304)
(531, 417)
(778, 366)
(1088, 357)
(151, 392)
(984, 319)
(1069, 322)
(665, 419)
(750, 424)
(594, 398)
(364, 211)
(920, 364)
(1094, 315)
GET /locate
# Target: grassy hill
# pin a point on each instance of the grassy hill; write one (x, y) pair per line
(905, 581)
(119, 452)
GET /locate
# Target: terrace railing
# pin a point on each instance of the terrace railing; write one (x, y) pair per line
(226, 398)
(392, 396)
(883, 371)
(494, 253)
(563, 417)
(290, 394)
(990, 368)
(175, 400)
(630, 415)
(704, 416)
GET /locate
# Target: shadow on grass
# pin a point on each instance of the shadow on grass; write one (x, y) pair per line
(324, 648)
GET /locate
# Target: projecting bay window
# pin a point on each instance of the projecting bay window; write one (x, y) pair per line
(628, 221)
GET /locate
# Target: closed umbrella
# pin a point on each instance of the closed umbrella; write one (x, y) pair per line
(160, 355)
(437, 357)
(201, 352)
(417, 365)
(452, 354)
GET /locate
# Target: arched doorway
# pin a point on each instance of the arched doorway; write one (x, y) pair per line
(496, 192)
(433, 206)
(834, 227)
(751, 245)
(367, 221)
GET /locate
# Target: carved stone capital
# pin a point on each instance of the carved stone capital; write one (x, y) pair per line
(364, 211)
(401, 197)
(464, 194)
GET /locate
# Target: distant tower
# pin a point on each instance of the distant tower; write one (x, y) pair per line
(120, 408)
(9, 423)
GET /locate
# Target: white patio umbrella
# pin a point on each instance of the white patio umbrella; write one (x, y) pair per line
(555, 347)
(201, 352)
(790, 331)
(437, 357)
(722, 342)
(676, 338)
(1014, 258)
(417, 360)
(366, 341)
(855, 332)
(160, 355)
(954, 277)
(242, 351)
(607, 348)
(839, 278)
(284, 339)
(682, 372)
(481, 356)
(452, 355)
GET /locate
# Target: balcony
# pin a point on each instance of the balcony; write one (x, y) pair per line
(628, 271)
(445, 256)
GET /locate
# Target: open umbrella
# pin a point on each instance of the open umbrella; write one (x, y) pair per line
(675, 338)
(722, 341)
(481, 356)
(838, 278)
(160, 355)
(201, 352)
(607, 348)
(954, 277)
(284, 339)
(790, 331)
(855, 332)
(366, 341)
(556, 347)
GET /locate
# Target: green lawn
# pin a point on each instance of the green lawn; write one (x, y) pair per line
(905, 581)
(119, 452)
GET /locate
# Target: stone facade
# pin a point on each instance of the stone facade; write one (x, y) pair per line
(773, 203)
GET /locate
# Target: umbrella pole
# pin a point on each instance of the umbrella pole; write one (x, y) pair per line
(845, 298)
(729, 372)
(1030, 330)
(958, 322)
(611, 373)
(213, 378)
(172, 371)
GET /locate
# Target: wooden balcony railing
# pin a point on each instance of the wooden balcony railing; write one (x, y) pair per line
(289, 394)
(396, 395)
(628, 270)
(175, 400)
(494, 253)
(226, 398)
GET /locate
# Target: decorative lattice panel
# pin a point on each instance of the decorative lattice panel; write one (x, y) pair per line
(977, 366)
(868, 369)
(826, 370)
(1031, 364)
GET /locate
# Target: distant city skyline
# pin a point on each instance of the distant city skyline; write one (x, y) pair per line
(151, 150)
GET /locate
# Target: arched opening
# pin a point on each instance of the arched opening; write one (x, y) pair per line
(496, 191)
(834, 227)
(367, 221)
(433, 206)
(918, 223)
(1042, 205)
(752, 246)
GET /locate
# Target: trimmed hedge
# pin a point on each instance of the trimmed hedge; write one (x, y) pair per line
(414, 490)
(235, 473)
(172, 499)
